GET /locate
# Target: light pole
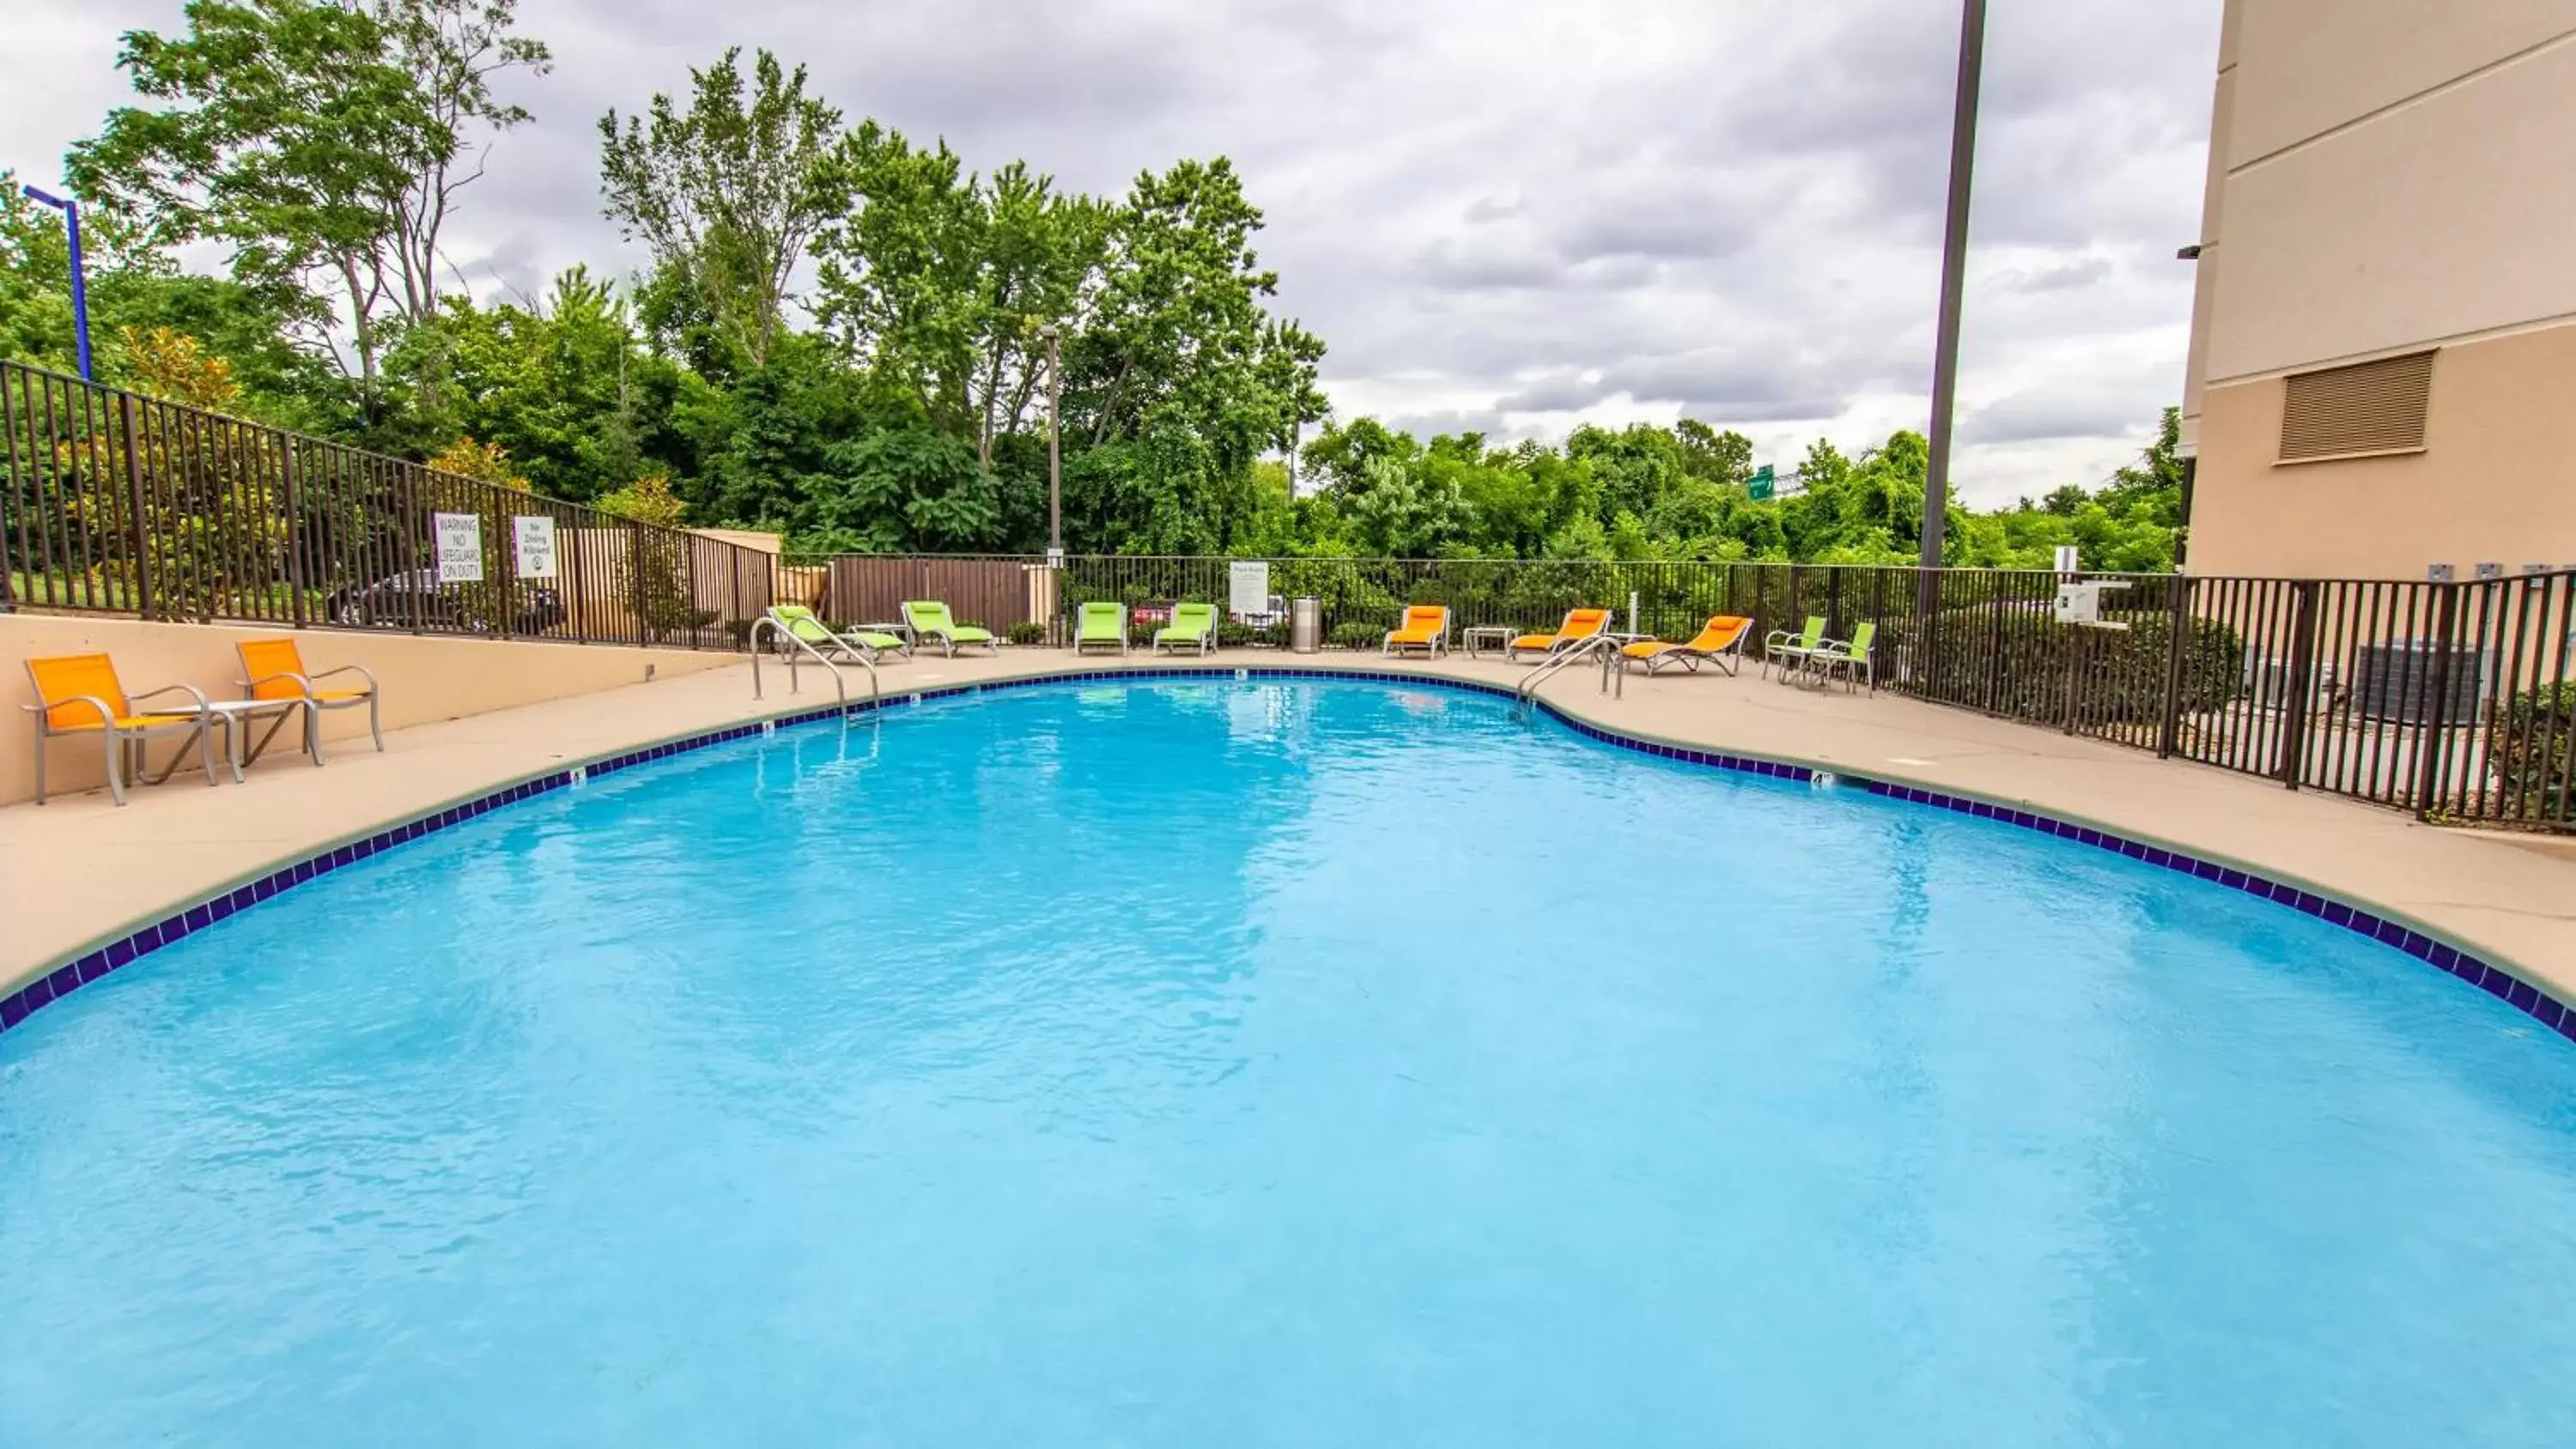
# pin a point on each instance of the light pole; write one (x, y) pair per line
(1053, 337)
(80, 291)
(1954, 278)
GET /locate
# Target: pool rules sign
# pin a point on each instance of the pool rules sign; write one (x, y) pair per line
(1247, 588)
(460, 547)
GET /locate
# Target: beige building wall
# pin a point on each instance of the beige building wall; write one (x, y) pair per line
(2388, 176)
(423, 679)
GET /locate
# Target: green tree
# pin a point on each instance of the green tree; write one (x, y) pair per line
(940, 281)
(558, 384)
(1725, 457)
(1180, 360)
(728, 194)
(323, 144)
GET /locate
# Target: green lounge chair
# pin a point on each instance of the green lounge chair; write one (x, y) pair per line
(1193, 626)
(1789, 651)
(1851, 658)
(1101, 624)
(929, 619)
(808, 629)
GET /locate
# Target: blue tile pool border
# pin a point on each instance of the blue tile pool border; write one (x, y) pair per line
(2448, 957)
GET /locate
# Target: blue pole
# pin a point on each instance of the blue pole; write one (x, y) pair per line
(80, 286)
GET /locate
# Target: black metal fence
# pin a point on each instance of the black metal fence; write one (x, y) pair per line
(2454, 700)
(2457, 700)
(115, 502)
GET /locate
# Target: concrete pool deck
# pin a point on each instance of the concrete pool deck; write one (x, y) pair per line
(79, 872)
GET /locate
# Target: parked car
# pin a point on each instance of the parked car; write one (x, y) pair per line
(416, 599)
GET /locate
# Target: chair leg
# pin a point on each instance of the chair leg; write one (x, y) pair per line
(40, 761)
(206, 749)
(116, 748)
(375, 722)
(313, 730)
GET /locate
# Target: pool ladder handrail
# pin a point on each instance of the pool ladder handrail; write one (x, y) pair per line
(1604, 647)
(876, 691)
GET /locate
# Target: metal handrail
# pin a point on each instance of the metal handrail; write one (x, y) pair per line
(1604, 645)
(876, 691)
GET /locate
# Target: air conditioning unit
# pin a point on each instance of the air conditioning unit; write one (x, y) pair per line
(2267, 681)
(2394, 681)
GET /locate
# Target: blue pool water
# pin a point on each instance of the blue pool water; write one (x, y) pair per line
(1261, 1063)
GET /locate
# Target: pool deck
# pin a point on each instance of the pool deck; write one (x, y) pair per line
(79, 872)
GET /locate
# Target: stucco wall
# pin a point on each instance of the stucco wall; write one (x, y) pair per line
(2447, 218)
(423, 678)
(2493, 484)
(2314, 65)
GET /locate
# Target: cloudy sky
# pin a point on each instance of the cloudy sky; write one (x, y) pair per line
(1508, 215)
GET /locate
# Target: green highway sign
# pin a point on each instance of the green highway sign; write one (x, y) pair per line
(1762, 484)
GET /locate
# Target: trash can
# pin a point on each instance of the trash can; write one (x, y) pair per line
(1306, 625)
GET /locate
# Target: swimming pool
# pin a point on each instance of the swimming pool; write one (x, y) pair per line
(1217, 1062)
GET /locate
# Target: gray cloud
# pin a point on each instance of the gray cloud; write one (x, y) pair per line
(2058, 276)
(1492, 207)
(1735, 385)
(2050, 415)
(1451, 421)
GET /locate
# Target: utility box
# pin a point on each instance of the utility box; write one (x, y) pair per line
(2081, 603)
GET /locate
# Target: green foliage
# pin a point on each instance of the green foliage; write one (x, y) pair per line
(206, 528)
(482, 462)
(563, 386)
(653, 562)
(319, 143)
(648, 500)
(908, 490)
(1358, 634)
(1231, 635)
(939, 283)
(1027, 631)
(727, 193)
(2012, 658)
(2530, 749)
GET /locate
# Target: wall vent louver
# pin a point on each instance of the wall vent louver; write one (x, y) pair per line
(2369, 407)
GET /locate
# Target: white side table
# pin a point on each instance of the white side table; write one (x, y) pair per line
(237, 715)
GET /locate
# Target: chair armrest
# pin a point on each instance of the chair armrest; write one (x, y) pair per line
(44, 713)
(250, 687)
(190, 690)
(360, 670)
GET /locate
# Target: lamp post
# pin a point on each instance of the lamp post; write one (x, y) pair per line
(80, 291)
(1954, 278)
(1053, 337)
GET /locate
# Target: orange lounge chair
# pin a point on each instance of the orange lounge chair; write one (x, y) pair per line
(276, 672)
(1425, 627)
(79, 694)
(1720, 641)
(1579, 625)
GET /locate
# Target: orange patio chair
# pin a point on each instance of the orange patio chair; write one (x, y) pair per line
(1579, 625)
(1425, 627)
(275, 670)
(79, 694)
(1720, 641)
